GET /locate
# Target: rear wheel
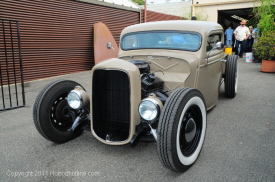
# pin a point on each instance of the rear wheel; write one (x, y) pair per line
(231, 76)
(181, 129)
(52, 115)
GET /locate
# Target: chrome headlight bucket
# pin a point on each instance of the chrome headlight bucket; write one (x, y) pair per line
(149, 109)
(77, 98)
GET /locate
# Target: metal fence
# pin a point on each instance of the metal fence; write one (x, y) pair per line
(11, 72)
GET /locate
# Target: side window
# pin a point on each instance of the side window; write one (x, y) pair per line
(212, 41)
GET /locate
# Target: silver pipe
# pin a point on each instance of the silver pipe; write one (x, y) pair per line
(153, 132)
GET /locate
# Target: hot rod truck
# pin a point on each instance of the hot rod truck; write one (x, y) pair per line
(166, 76)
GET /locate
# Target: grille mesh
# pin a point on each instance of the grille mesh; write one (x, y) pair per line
(111, 104)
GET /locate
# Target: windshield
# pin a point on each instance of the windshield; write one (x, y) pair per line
(161, 40)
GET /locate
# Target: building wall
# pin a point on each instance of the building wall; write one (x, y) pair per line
(182, 9)
(57, 36)
(155, 16)
(209, 9)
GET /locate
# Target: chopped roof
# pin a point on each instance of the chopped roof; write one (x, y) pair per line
(181, 25)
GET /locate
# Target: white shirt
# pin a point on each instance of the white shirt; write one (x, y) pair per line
(241, 32)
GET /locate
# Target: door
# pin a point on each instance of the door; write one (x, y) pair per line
(210, 71)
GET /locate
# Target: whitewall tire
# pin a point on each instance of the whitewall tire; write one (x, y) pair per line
(181, 129)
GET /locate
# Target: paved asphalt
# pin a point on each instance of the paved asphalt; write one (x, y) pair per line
(239, 144)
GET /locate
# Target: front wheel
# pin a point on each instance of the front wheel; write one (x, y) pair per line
(181, 129)
(52, 115)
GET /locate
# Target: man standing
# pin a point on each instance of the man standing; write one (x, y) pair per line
(229, 34)
(241, 33)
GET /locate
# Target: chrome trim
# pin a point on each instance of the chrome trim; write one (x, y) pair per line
(212, 62)
(157, 106)
(211, 58)
(80, 98)
(153, 132)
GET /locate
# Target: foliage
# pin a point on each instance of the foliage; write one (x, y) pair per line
(186, 13)
(139, 2)
(265, 47)
(265, 12)
(201, 14)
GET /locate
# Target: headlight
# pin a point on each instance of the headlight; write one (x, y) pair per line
(74, 99)
(149, 109)
(78, 98)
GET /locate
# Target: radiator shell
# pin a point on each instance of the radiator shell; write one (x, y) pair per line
(115, 121)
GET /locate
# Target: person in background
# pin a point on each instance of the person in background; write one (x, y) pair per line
(241, 34)
(255, 34)
(229, 34)
(250, 40)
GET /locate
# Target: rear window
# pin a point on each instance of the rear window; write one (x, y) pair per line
(161, 40)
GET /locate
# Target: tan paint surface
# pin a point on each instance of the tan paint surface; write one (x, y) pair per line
(135, 93)
(200, 69)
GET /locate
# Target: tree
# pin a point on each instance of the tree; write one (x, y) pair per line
(139, 2)
(265, 12)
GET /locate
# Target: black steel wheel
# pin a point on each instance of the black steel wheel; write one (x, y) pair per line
(231, 76)
(52, 115)
(181, 129)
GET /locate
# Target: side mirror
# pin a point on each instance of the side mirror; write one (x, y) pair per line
(109, 45)
(219, 46)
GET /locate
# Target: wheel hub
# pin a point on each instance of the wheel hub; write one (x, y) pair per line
(61, 114)
(190, 130)
(62, 111)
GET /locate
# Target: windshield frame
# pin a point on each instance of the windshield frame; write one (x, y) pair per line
(162, 31)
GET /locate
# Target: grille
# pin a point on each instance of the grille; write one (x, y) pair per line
(111, 105)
